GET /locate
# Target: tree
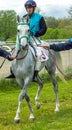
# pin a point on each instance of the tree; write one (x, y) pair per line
(63, 23)
(7, 24)
(51, 22)
(70, 13)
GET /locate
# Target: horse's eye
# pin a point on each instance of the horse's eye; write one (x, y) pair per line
(18, 30)
(28, 30)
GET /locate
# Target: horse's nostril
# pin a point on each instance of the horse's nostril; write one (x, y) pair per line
(24, 47)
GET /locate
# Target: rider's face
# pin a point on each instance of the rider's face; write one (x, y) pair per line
(29, 10)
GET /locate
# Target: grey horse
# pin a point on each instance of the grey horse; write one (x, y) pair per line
(23, 68)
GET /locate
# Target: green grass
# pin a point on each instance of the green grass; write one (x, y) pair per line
(45, 117)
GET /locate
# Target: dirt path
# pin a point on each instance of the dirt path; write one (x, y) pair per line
(5, 70)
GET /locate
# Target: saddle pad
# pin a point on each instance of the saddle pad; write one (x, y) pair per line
(40, 53)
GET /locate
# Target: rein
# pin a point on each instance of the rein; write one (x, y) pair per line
(20, 58)
(2, 63)
(9, 50)
(65, 76)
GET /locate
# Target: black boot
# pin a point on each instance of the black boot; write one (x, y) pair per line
(35, 76)
(11, 75)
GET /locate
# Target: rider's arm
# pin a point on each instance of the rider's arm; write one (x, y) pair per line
(43, 28)
(4, 53)
(61, 46)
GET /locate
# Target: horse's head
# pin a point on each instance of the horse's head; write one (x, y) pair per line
(23, 34)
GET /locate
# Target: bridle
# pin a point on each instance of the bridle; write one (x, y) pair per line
(19, 41)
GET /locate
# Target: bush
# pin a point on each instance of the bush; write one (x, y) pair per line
(12, 39)
(56, 33)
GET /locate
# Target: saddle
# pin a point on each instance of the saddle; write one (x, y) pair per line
(39, 52)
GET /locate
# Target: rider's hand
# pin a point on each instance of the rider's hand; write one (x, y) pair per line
(12, 57)
(46, 46)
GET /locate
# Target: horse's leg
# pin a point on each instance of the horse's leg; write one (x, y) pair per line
(51, 72)
(29, 105)
(21, 97)
(55, 85)
(21, 84)
(40, 86)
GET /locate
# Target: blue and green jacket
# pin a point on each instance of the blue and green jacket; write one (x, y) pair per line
(37, 24)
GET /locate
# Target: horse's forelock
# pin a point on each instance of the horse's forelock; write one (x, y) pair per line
(23, 28)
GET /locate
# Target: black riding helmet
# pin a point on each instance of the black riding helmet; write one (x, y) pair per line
(30, 3)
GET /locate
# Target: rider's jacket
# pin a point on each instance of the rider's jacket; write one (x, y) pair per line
(37, 24)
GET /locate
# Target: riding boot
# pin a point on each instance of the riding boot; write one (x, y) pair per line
(35, 75)
(11, 75)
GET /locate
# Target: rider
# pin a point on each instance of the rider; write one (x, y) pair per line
(36, 22)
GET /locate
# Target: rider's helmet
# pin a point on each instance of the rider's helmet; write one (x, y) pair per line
(30, 3)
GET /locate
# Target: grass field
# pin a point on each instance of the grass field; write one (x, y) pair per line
(45, 117)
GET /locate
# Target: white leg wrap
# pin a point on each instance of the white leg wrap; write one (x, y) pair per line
(31, 116)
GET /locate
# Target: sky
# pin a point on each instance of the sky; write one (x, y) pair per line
(55, 8)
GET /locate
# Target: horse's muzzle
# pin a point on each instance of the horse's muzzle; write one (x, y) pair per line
(25, 47)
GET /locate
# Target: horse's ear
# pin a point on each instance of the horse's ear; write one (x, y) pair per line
(28, 19)
(18, 18)
(25, 18)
